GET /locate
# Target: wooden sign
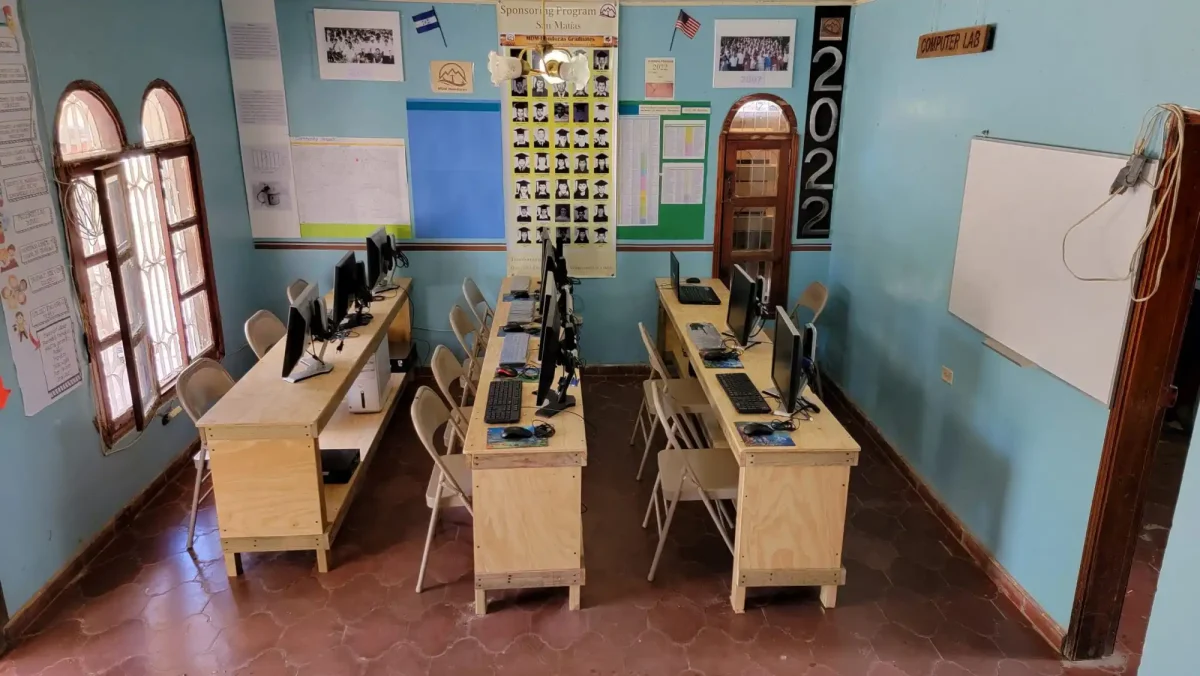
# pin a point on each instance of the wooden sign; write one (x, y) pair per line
(973, 40)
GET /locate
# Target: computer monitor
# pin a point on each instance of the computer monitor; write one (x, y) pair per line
(549, 284)
(345, 288)
(547, 256)
(674, 273)
(553, 353)
(376, 243)
(550, 313)
(787, 368)
(762, 289)
(808, 344)
(306, 323)
(740, 316)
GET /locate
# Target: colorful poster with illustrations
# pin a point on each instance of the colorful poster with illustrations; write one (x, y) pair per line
(560, 140)
(35, 288)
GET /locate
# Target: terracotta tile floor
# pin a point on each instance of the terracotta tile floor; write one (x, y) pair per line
(913, 604)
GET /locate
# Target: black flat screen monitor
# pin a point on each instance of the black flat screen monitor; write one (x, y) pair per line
(549, 284)
(376, 244)
(675, 274)
(547, 256)
(549, 350)
(550, 312)
(787, 369)
(740, 316)
(345, 288)
(299, 327)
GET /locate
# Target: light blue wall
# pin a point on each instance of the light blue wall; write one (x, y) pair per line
(1014, 452)
(341, 108)
(54, 483)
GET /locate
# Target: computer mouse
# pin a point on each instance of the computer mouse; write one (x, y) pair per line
(695, 326)
(520, 295)
(505, 372)
(756, 430)
(513, 327)
(718, 355)
(516, 433)
(533, 330)
(693, 280)
(543, 431)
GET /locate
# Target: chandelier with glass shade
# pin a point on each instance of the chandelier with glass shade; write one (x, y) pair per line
(554, 65)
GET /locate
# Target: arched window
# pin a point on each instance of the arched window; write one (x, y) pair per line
(759, 116)
(139, 249)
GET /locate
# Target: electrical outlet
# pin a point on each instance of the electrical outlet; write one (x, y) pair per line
(947, 375)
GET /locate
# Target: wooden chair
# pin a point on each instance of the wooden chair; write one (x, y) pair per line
(263, 330)
(813, 298)
(468, 338)
(447, 371)
(450, 483)
(479, 306)
(199, 387)
(294, 289)
(688, 473)
(687, 392)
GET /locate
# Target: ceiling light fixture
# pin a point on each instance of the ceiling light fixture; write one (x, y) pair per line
(548, 62)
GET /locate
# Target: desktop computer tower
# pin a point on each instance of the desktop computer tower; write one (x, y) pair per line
(370, 387)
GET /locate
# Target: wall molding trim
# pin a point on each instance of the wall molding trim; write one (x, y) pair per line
(693, 3)
(1042, 623)
(25, 616)
(480, 246)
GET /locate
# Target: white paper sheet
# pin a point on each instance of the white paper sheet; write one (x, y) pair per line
(351, 181)
(684, 139)
(35, 288)
(354, 45)
(683, 183)
(637, 170)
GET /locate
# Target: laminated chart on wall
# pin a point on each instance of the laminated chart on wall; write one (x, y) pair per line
(350, 187)
(560, 141)
(261, 106)
(35, 286)
(663, 169)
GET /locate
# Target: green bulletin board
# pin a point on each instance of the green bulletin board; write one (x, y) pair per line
(675, 221)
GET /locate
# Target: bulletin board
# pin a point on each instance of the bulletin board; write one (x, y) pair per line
(675, 221)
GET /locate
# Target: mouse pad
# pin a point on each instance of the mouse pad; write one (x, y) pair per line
(773, 439)
(495, 440)
(731, 363)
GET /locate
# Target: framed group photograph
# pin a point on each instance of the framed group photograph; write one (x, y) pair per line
(753, 53)
(358, 45)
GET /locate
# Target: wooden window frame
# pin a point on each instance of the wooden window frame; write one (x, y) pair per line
(112, 428)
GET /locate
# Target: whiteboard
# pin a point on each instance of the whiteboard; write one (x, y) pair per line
(1009, 279)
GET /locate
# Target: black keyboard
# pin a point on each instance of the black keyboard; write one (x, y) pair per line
(742, 392)
(504, 402)
(698, 295)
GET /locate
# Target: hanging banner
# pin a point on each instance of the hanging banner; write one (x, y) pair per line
(560, 140)
(34, 284)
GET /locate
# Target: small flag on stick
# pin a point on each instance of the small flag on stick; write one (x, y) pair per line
(686, 23)
(427, 21)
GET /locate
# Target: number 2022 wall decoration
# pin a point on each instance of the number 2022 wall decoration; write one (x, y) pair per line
(831, 37)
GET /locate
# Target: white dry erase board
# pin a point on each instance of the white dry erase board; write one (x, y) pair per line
(1009, 278)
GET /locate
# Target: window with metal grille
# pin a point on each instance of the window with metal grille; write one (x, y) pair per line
(139, 249)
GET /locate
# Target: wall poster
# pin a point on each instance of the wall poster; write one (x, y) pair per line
(560, 141)
(35, 286)
(822, 121)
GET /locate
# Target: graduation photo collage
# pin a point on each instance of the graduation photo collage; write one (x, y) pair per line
(561, 145)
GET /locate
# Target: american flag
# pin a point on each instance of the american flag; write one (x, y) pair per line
(687, 24)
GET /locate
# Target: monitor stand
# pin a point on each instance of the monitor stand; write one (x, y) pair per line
(385, 284)
(555, 404)
(310, 365)
(802, 404)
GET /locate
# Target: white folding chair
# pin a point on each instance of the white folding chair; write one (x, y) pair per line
(687, 473)
(450, 483)
(478, 305)
(294, 289)
(447, 371)
(263, 330)
(468, 338)
(199, 387)
(814, 297)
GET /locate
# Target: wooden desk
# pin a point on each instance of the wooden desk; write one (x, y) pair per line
(527, 501)
(791, 511)
(265, 436)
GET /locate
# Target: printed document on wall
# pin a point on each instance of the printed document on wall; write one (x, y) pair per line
(349, 187)
(683, 183)
(35, 283)
(684, 139)
(637, 170)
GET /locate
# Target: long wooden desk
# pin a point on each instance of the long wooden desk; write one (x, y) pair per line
(527, 501)
(791, 510)
(265, 436)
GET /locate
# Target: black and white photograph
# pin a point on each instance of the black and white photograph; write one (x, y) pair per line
(600, 59)
(560, 90)
(518, 87)
(581, 112)
(601, 192)
(581, 138)
(602, 86)
(601, 235)
(564, 234)
(562, 139)
(541, 163)
(600, 215)
(581, 163)
(601, 138)
(753, 53)
(356, 45)
(581, 234)
(580, 91)
(581, 189)
(562, 214)
(543, 214)
(602, 163)
(560, 164)
(542, 190)
(521, 166)
(543, 231)
(541, 138)
(523, 237)
(581, 215)
(539, 87)
(562, 112)
(520, 137)
(520, 111)
(522, 191)
(601, 110)
(523, 215)
(540, 113)
(563, 189)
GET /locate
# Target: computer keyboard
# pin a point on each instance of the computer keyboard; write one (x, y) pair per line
(515, 350)
(519, 284)
(706, 337)
(503, 402)
(698, 295)
(741, 391)
(521, 311)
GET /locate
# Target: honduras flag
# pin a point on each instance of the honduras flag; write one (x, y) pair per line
(426, 21)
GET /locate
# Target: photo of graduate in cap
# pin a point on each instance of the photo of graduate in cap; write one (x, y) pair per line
(601, 236)
(542, 190)
(581, 112)
(523, 216)
(541, 139)
(560, 164)
(523, 237)
(539, 113)
(520, 111)
(543, 214)
(600, 60)
(600, 216)
(602, 138)
(601, 112)
(602, 86)
(562, 139)
(562, 112)
(564, 235)
(542, 232)
(601, 192)
(560, 90)
(580, 91)
(522, 163)
(562, 190)
(520, 138)
(539, 87)
(562, 213)
(581, 189)
(581, 236)
(581, 214)
(518, 87)
(581, 163)
(522, 192)
(581, 138)
(542, 163)
(602, 164)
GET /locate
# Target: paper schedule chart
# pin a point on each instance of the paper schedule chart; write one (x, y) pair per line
(638, 170)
